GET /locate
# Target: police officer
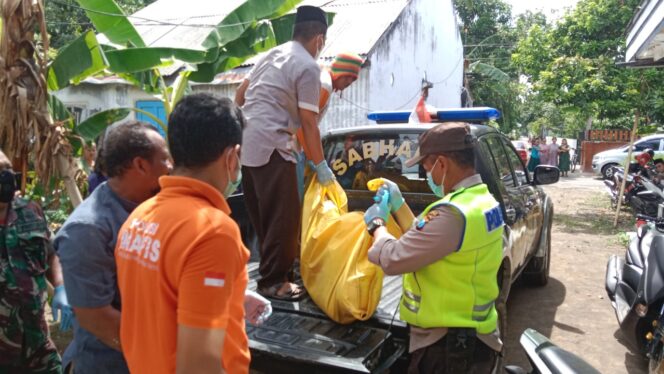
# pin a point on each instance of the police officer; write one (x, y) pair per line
(27, 260)
(449, 257)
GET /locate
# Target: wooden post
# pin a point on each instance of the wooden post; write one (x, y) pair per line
(629, 159)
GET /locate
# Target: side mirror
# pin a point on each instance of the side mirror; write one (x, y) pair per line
(545, 174)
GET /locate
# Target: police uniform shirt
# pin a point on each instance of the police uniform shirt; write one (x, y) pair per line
(440, 236)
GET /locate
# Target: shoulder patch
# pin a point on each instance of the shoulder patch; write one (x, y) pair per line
(494, 218)
(428, 217)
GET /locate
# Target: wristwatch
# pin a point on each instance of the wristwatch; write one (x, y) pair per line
(375, 224)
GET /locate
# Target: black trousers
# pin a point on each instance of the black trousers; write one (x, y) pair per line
(273, 204)
(457, 352)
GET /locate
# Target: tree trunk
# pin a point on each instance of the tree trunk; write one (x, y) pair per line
(589, 123)
(67, 171)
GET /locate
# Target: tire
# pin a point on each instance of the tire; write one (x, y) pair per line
(607, 171)
(504, 284)
(537, 273)
(655, 364)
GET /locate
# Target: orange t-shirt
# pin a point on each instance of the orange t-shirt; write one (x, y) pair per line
(180, 260)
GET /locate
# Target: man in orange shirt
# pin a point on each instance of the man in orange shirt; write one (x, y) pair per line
(181, 262)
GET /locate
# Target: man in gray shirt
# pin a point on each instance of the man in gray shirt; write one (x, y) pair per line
(280, 96)
(135, 156)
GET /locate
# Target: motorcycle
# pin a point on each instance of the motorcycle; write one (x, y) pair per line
(546, 357)
(640, 193)
(635, 285)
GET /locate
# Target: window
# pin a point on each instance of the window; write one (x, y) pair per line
(357, 159)
(517, 165)
(77, 112)
(501, 161)
(652, 144)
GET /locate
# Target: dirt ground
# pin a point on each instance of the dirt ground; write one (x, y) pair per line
(573, 309)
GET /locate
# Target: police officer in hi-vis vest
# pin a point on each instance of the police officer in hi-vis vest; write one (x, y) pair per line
(449, 257)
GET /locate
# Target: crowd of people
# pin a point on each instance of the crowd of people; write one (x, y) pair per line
(552, 154)
(151, 270)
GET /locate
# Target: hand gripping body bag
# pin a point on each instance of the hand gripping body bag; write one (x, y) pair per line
(333, 261)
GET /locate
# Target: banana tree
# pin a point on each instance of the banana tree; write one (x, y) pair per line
(27, 128)
(253, 27)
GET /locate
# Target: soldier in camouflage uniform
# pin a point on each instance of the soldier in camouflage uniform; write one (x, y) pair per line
(26, 260)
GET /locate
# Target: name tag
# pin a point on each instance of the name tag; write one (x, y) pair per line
(494, 219)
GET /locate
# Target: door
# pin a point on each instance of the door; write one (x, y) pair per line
(534, 211)
(154, 107)
(513, 200)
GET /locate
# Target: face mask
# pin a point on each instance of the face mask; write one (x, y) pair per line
(7, 186)
(436, 189)
(233, 184)
(319, 51)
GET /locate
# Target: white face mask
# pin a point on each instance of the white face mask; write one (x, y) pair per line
(319, 50)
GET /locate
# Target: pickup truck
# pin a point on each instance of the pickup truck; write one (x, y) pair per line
(300, 338)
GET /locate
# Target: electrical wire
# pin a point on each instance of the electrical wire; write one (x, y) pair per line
(152, 22)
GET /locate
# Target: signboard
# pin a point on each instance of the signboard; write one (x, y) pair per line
(607, 135)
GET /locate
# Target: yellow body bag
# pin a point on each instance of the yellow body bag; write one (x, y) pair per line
(333, 261)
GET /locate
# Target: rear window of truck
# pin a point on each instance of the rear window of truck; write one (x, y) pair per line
(357, 159)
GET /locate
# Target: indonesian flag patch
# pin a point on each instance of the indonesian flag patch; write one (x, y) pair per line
(214, 279)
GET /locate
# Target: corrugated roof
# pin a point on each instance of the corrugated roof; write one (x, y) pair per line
(357, 26)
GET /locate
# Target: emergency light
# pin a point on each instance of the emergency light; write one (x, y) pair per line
(479, 114)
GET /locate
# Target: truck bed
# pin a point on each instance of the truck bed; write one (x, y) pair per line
(299, 337)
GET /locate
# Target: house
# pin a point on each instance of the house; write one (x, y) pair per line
(645, 36)
(404, 42)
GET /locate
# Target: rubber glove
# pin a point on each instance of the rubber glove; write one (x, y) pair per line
(381, 207)
(396, 199)
(257, 308)
(60, 306)
(324, 173)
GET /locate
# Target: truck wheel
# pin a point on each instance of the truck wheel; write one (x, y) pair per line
(607, 171)
(538, 270)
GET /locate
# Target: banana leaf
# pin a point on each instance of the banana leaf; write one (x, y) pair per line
(133, 60)
(234, 25)
(80, 59)
(489, 71)
(109, 19)
(98, 122)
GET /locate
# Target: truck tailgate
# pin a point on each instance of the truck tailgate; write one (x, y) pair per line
(300, 333)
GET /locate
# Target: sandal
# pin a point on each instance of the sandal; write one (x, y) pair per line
(294, 294)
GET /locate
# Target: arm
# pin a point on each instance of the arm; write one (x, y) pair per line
(89, 272)
(417, 248)
(199, 350)
(103, 323)
(241, 91)
(54, 273)
(311, 135)
(205, 308)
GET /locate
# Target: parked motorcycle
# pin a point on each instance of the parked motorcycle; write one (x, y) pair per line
(546, 357)
(635, 285)
(640, 193)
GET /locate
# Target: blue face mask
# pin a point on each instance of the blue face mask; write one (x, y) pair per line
(232, 185)
(436, 189)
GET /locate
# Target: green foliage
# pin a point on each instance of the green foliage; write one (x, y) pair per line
(66, 21)
(572, 66)
(488, 35)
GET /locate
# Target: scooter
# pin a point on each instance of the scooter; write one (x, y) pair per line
(646, 198)
(635, 285)
(546, 357)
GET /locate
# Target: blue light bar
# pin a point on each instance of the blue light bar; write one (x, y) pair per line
(479, 114)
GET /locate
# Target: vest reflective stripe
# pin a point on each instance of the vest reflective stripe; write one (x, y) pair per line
(460, 289)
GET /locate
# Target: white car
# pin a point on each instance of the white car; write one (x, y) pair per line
(603, 161)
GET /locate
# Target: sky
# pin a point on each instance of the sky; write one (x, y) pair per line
(546, 6)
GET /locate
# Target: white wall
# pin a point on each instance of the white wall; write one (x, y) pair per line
(93, 98)
(424, 40)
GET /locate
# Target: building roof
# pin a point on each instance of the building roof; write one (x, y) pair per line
(645, 35)
(358, 24)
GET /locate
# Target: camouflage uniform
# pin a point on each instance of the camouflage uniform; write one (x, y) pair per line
(25, 344)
